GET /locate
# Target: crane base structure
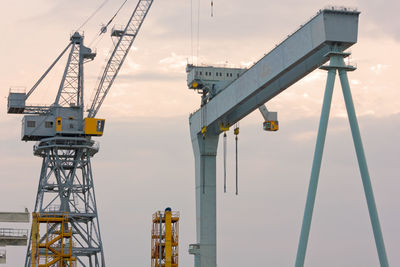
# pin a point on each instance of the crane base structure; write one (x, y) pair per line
(325, 37)
(66, 188)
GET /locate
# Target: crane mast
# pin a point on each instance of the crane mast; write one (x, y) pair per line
(118, 55)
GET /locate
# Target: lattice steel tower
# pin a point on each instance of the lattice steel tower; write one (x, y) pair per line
(64, 142)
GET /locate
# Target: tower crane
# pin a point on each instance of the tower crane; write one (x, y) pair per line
(65, 198)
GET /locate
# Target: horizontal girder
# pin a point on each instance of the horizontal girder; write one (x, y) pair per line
(291, 60)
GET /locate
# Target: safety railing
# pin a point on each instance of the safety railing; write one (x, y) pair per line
(173, 214)
(9, 232)
(340, 8)
(17, 89)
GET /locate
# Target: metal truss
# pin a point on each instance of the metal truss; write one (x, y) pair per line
(123, 44)
(66, 187)
(71, 83)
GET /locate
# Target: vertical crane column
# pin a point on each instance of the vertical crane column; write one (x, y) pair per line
(205, 152)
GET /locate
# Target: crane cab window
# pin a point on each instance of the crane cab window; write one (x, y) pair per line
(48, 124)
(30, 124)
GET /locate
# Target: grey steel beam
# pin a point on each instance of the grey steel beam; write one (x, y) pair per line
(3, 255)
(298, 55)
(362, 163)
(13, 241)
(316, 167)
(18, 217)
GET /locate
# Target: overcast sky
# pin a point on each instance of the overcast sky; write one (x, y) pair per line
(146, 163)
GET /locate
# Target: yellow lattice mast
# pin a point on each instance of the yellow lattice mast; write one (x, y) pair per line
(51, 241)
(165, 239)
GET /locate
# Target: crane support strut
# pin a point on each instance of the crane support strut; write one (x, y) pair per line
(337, 64)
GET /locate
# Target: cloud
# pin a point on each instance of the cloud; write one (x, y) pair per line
(378, 68)
(174, 62)
(148, 76)
(380, 14)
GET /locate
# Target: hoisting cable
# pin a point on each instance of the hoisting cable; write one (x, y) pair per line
(203, 164)
(92, 15)
(198, 32)
(96, 40)
(224, 161)
(103, 29)
(236, 132)
(191, 30)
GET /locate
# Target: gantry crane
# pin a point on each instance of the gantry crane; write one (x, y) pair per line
(64, 142)
(225, 101)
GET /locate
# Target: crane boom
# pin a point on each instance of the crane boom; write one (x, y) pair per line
(119, 53)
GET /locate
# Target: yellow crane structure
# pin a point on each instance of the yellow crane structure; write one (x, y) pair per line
(165, 239)
(51, 241)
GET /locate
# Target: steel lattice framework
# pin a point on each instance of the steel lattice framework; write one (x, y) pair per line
(72, 81)
(66, 187)
(123, 44)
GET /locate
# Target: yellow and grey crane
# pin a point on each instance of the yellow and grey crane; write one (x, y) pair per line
(66, 201)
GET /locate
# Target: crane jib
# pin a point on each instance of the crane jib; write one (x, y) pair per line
(119, 53)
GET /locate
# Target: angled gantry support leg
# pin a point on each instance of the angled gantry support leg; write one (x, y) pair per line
(337, 64)
(362, 163)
